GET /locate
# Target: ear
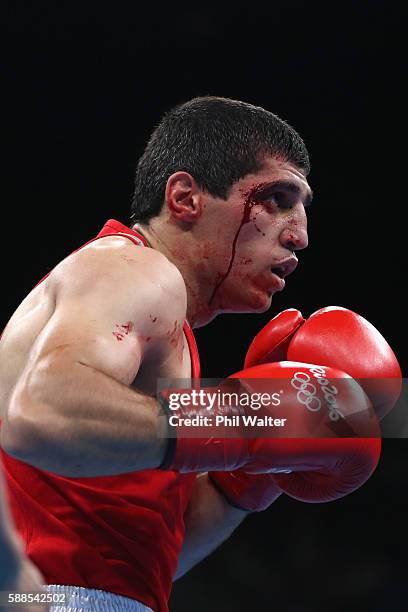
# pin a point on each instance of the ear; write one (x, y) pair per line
(184, 198)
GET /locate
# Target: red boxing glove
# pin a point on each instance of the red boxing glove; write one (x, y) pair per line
(336, 337)
(327, 337)
(248, 492)
(325, 434)
(256, 492)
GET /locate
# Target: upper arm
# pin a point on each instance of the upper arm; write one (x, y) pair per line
(114, 302)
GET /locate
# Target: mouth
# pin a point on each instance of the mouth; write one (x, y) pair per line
(285, 267)
(282, 270)
(278, 278)
(278, 271)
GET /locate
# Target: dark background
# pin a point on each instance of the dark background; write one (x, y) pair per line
(83, 86)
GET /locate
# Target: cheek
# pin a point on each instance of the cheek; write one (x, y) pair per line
(257, 243)
(244, 272)
(249, 259)
(259, 221)
(262, 224)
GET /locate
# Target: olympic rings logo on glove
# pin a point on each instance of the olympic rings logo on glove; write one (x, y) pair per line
(307, 392)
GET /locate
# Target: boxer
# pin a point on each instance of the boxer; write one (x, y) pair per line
(110, 507)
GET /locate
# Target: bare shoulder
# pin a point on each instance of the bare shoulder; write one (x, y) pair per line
(119, 255)
(127, 273)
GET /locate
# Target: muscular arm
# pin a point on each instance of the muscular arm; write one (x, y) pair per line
(72, 410)
(210, 520)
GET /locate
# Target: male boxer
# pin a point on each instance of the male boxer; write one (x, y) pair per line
(107, 509)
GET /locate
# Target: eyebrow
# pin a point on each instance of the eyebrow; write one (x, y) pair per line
(293, 188)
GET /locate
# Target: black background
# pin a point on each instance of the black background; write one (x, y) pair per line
(83, 86)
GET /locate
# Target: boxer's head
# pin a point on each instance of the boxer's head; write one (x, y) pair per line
(223, 185)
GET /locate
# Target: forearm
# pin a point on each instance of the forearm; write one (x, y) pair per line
(210, 520)
(77, 421)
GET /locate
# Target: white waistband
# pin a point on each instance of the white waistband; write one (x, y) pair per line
(80, 599)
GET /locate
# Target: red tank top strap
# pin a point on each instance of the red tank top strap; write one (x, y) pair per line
(194, 354)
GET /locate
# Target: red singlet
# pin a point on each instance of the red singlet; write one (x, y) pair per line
(121, 534)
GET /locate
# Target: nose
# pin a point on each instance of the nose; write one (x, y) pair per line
(294, 235)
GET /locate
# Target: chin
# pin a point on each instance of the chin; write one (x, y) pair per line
(258, 302)
(254, 300)
(264, 307)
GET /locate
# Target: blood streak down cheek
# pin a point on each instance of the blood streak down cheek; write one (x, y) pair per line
(250, 199)
(122, 330)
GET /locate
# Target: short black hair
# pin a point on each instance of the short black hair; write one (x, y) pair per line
(217, 141)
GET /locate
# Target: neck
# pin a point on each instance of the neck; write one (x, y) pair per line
(183, 250)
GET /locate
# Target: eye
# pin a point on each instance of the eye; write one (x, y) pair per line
(280, 198)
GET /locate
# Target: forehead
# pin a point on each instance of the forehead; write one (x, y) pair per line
(273, 169)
